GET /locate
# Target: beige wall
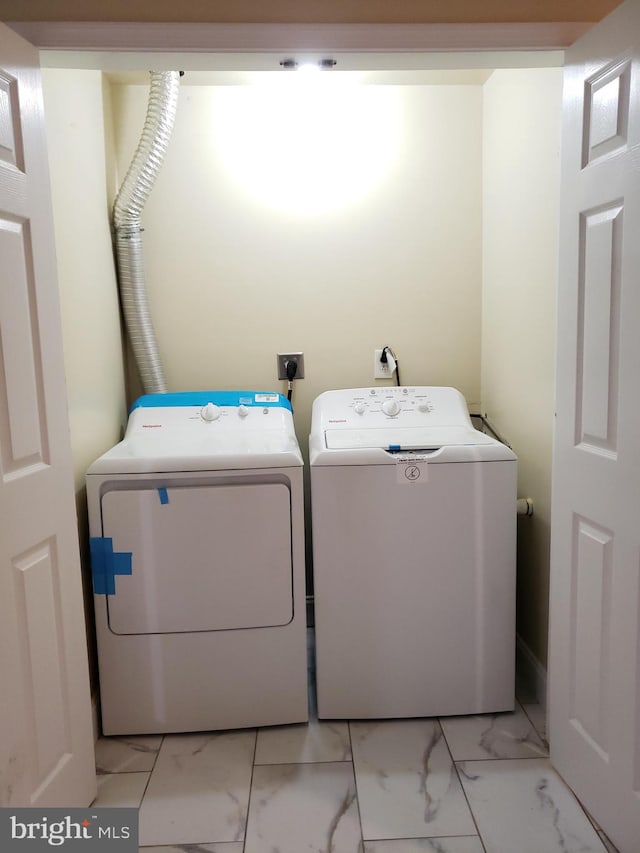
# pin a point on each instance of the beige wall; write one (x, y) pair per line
(522, 110)
(89, 304)
(233, 279)
(90, 314)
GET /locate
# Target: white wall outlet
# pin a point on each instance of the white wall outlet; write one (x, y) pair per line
(380, 368)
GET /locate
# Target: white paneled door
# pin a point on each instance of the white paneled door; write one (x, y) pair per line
(594, 654)
(46, 740)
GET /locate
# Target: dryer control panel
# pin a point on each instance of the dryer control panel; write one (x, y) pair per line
(211, 411)
(198, 430)
(210, 406)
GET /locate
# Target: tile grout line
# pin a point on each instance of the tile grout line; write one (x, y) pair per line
(423, 837)
(144, 793)
(303, 763)
(542, 737)
(253, 767)
(355, 783)
(464, 793)
(597, 829)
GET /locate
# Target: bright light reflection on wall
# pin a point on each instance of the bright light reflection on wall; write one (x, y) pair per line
(308, 143)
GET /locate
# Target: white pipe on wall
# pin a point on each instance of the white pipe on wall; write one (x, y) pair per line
(524, 506)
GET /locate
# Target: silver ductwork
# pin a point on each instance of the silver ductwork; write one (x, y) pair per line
(127, 210)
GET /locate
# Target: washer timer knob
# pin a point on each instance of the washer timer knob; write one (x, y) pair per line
(210, 412)
(360, 408)
(390, 408)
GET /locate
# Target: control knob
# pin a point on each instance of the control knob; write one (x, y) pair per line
(423, 407)
(359, 408)
(243, 411)
(390, 408)
(210, 412)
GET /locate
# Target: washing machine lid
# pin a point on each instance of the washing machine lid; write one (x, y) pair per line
(373, 425)
(410, 438)
(205, 431)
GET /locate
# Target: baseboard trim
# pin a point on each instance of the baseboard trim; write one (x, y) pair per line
(531, 671)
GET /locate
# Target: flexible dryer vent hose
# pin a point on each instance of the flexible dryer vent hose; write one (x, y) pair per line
(127, 211)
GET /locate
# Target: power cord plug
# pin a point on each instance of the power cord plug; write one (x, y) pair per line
(291, 368)
(388, 357)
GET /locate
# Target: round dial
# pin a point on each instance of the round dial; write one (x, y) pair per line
(243, 411)
(210, 412)
(390, 408)
(359, 408)
(423, 407)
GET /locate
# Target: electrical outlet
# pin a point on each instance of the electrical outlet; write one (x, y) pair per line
(284, 357)
(380, 368)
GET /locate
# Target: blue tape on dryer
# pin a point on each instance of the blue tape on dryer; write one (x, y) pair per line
(164, 495)
(106, 564)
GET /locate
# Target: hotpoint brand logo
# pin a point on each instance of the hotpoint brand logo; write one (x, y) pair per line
(105, 830)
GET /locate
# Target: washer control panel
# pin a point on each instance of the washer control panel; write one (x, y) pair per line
(373, 408)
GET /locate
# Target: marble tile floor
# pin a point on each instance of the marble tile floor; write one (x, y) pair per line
(478, 784)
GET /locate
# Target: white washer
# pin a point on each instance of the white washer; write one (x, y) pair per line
(414, 556)
(197, 540)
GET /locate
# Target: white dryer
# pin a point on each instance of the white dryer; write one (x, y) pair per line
(197, 542)
(414, 556)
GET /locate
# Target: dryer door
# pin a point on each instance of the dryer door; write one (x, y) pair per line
(203, 557)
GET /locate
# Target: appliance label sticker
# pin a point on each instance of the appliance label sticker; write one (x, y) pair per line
(266, 398)
(412, 468)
